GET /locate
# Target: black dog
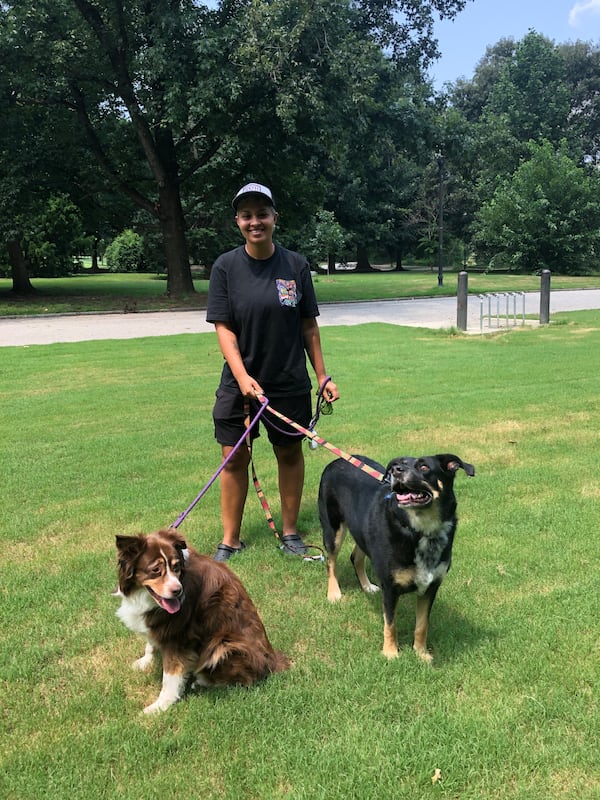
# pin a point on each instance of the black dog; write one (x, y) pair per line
(405, 525)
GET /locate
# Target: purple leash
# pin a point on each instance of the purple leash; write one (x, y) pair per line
(264, 403)
(224, 463)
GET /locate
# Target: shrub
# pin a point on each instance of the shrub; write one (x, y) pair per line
(53, 237)
(125, 253)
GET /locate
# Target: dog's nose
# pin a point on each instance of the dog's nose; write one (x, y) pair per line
(175, 588)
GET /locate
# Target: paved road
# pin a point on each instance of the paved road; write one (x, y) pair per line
(423, 313)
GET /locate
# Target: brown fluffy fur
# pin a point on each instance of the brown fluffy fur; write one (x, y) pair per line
(195, 612)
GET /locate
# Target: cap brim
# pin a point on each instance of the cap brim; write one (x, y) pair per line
(237, 200)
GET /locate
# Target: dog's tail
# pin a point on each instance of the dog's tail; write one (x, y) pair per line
(279, 661)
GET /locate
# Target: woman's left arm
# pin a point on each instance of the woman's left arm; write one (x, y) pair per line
(312, 345)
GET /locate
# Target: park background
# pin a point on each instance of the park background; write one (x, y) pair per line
(127, 128)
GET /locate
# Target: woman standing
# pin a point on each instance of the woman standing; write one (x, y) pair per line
(263, 305)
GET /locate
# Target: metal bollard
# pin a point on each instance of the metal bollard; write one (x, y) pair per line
(545, 298)
(461, 300)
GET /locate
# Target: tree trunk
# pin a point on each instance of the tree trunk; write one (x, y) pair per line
(398, 260)
(18, 265)
(362, 260)
(172, 226)
(95, 268)
(170, 216)
(331, 263)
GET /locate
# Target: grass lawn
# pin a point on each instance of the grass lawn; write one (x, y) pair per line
(112, 292)
(116, 436)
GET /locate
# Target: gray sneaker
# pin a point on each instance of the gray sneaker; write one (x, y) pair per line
(292, 545)
(224, 552)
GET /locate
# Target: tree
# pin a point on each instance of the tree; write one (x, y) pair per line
(54, 238)
(546, 216)
(526, 91)
(328, 239)
(582, 75)
(194, 94)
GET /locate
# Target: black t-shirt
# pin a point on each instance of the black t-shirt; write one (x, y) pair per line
(264, 302)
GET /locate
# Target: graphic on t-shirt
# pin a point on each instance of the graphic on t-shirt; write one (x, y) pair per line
(288, 296)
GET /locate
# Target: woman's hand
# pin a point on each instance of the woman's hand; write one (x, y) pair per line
(250, 388)
(330, 392)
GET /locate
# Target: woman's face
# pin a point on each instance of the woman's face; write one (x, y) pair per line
(256, 221)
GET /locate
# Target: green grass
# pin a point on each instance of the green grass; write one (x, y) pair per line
(112, 292)
(107, 437)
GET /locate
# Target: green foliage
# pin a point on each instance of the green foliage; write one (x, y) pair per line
(328, 239)
(547, 216)
(125, 253)
(179, 97)
(531, 90)
(165, 106)
(53, 238)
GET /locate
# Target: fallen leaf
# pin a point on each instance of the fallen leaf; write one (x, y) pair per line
(437, 776)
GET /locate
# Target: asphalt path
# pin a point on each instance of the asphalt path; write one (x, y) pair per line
(483, 316)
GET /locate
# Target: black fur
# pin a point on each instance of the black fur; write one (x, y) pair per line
(405, 525)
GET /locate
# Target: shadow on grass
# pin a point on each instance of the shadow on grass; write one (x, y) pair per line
(451, 632)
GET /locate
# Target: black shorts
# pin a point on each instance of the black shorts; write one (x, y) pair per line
(229, 418)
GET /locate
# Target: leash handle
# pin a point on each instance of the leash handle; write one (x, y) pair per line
(321, 401)
(356, 462)
(238, 444)
(322, 387)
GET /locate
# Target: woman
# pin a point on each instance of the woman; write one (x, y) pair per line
(262, 303)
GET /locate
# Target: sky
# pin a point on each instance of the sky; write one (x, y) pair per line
(464, 40)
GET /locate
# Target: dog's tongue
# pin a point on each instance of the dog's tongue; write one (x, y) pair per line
(171, 605)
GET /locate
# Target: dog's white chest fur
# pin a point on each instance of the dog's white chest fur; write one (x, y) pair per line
(429, 568)
(133, 610)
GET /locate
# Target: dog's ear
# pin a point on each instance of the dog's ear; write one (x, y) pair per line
(176, 538)
(130, 546)
(452, 463)
(129, 549)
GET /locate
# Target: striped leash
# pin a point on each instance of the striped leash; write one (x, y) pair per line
(356, 462)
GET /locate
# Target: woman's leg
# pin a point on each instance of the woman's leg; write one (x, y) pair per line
(290, 464)
(234, 490)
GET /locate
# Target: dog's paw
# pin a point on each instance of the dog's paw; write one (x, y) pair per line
(424, 655)
(153, 708)
(334, 595)
(159, 705)
(370, 588)
(200, 682)
(142, 664)
(390, 652)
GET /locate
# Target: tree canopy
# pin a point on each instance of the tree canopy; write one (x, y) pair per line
(547, 215)
(173, 94)
(150, 115)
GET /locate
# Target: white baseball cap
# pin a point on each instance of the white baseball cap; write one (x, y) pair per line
(253, 188)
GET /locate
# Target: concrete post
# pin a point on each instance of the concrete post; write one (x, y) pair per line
(545, 298)
(461, 300)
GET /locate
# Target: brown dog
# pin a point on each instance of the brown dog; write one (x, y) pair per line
(195, 612)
